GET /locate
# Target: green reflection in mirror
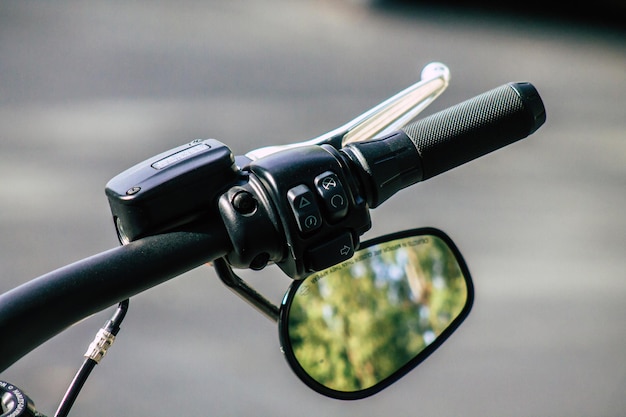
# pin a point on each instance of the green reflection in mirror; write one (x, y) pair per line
(352, 326)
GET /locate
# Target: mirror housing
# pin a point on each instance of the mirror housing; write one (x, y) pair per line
(355, 328)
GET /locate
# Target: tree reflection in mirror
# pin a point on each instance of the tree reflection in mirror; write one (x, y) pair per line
(352, 329)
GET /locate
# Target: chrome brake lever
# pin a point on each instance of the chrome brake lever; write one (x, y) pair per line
(387, 117)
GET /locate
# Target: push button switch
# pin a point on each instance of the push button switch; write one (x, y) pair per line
(330, 253)
(304, 208)
(331, 190)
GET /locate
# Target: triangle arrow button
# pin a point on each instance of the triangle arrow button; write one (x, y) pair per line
(304, 202)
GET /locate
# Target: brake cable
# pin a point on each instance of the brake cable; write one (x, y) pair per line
(95, 352)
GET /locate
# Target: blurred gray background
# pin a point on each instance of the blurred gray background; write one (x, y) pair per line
(88, 89)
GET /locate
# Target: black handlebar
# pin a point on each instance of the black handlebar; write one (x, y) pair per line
(39, 309)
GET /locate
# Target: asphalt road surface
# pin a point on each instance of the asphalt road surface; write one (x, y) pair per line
(88, 89)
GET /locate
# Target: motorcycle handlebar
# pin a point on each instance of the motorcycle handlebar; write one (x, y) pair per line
(37, 310)
(447, 139)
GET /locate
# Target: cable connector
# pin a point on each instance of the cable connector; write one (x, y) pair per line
(101, 343)
(96, 351)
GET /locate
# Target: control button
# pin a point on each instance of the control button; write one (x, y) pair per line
(330, 253)
(304, 208)
(333, 195)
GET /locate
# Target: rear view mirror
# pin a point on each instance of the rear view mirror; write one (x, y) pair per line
(353, 329)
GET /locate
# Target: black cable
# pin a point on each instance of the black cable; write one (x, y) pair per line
(97, 349)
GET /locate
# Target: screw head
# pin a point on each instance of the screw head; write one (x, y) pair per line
(244, 202)
(133, 190)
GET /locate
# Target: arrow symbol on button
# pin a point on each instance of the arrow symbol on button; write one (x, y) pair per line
(345, 250)
(304, 202)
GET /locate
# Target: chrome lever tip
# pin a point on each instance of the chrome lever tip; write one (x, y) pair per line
(436, 70)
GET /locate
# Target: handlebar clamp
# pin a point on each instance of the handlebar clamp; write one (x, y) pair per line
(300, 208)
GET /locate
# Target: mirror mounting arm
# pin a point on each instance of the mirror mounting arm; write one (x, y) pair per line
(242, 289)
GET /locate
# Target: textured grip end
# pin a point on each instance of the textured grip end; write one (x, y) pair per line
(533, 104)
(476, 127)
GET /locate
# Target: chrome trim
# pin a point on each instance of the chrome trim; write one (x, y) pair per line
(389, 116)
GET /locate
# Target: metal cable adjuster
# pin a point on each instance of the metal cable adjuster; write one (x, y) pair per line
(101, 343)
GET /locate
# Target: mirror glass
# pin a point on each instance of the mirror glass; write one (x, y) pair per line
(354, 328)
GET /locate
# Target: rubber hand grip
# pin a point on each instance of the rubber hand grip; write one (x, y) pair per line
(476, 127)
(445, 140)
